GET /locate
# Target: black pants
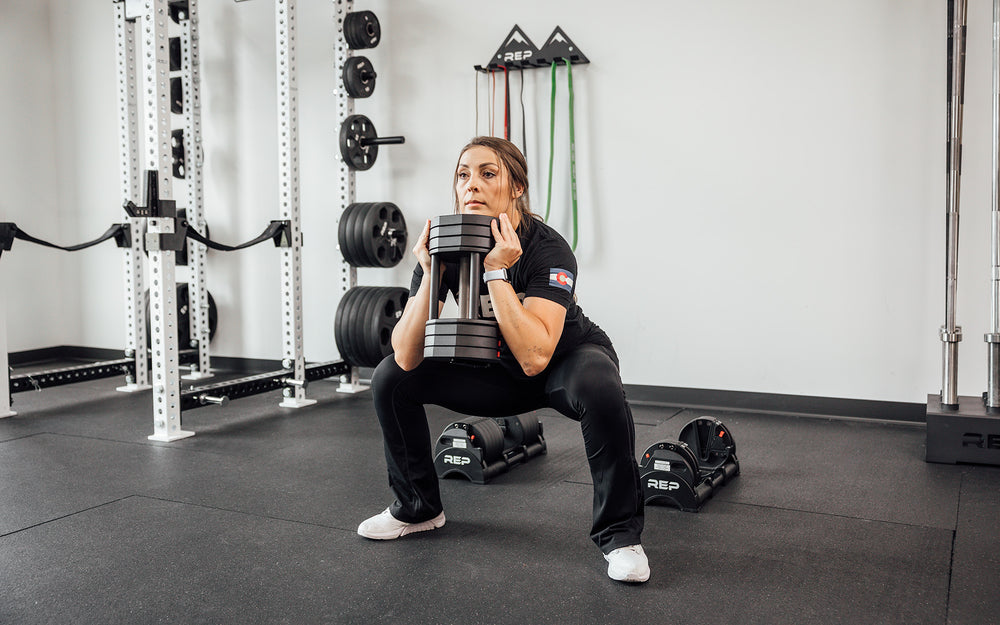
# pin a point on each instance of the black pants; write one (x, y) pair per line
(584, 385)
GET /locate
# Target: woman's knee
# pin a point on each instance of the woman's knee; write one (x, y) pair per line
(588, 382)
(386, 375)
(596, 378)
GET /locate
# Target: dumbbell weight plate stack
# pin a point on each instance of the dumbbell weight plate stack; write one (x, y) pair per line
(472, 448)
(462, 339)
(460, 233)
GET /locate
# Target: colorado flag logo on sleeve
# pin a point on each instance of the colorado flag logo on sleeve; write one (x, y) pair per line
(561, 278)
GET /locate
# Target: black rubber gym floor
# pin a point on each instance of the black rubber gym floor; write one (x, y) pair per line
(253, 521)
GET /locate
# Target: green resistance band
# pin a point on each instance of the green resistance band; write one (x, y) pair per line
(572, 146)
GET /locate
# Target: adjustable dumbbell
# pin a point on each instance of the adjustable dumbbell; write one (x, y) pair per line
(480, 448)
(463, 240)
(685, 473)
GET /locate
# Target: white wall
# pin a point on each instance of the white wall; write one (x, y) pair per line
(761, 184)
(37, 285)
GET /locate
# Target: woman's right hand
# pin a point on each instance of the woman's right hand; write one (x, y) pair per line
(421, 249)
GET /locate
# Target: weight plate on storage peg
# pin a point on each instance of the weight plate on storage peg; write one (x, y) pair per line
(384, 234)
(360, 235)
(386, 308)
(364, 321)
(361, 30)
(354, 148)
(340, 327)
(358, 320)
(350, 241)
(372, 235)
(346, 331)
(358, 77)
(711, 442)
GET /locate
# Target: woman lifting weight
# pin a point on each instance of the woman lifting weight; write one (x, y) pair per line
(551, 356)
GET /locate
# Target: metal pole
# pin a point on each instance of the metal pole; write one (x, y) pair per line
(5, 410)
(465, 295)
(163, 290)
(288, 172)
(993, 337)
(345, 108)
(127, 46)
(194, 160)
(950, 333)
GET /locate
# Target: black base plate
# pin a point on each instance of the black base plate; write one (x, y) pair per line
(969, 433)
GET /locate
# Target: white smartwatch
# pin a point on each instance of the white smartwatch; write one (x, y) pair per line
(496, 274)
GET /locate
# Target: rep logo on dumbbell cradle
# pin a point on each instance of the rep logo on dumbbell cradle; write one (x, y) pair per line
(457, 460)
(667, 485)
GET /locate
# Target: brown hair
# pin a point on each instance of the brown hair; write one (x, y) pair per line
(511, 161)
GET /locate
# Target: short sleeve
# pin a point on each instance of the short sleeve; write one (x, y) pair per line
(551, 272)
(447, 280)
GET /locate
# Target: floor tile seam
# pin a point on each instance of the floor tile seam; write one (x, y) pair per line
(842, 516)
(244, 513)
(951, 570)
(150, 444)
(66, 516)
(22, 437)
(659, 422)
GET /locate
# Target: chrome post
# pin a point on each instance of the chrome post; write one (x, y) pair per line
(993, 337)
(951, 334)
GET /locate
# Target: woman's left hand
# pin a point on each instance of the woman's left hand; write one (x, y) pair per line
(508, 246)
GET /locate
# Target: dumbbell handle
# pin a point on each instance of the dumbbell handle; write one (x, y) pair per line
(382, 140)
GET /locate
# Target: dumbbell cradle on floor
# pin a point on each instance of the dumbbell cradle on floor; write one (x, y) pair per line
(687, 472)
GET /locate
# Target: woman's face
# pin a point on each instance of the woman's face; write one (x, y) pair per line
(482, 186)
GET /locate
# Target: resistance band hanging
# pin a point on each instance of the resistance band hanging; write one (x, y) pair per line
(278, 231)
(524, 123)
(10, 231)
(506, 104)
(518, 52)
(572, 146)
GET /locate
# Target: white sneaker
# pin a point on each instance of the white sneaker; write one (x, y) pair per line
(628, 564)
(384, 526)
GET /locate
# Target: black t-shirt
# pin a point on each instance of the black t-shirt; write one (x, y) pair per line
(546, 269)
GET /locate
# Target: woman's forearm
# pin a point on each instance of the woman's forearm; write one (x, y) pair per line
(531, 337)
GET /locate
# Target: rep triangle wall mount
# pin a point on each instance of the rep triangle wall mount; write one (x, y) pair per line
(518, 52)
